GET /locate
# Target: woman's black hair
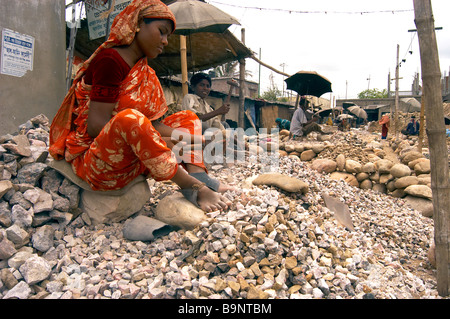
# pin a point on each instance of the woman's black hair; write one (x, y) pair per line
(198, 77)
(150, 20)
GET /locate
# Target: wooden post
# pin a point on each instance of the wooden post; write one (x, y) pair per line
(397, 75)
(241, 114)
(422, 124)
(73, 35)
(184, 76)
(435, 128)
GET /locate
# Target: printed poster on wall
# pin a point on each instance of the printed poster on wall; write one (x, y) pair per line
(17, 53)
(96, 16)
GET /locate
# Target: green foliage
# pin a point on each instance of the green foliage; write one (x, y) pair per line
(227, 69)
(271, 94)
(373, 94)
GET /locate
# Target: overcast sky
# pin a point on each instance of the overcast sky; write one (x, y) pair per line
(336, 40)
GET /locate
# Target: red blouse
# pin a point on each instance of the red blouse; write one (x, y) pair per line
(105, 73)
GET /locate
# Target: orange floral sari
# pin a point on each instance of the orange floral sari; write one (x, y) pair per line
(128, 145)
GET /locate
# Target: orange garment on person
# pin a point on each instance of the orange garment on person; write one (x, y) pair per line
(384, 122)
(128, 145)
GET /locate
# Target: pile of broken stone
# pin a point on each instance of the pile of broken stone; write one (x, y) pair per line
(408, 176)
(271, 244)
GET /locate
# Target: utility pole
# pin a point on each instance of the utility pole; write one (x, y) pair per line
(435, 128)
(242, 85)
(397, 75)
(422, 107)
(389, 85)
(259, 75)
(283, 65)
(346, 88)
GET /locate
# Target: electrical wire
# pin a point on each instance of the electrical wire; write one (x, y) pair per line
(312, 12)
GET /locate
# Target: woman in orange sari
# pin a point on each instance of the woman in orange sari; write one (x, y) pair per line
(109, 125)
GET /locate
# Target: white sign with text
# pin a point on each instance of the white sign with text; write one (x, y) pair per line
(97, 21)
(17, 53)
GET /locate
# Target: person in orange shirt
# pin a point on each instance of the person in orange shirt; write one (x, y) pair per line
(110, 126)
(384, 122)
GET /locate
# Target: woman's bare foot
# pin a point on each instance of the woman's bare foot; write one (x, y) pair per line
(225, 187)
(210, 201)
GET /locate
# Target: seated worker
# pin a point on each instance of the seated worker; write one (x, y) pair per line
(109, 126)
(343, 125)
(195, 102)
(304, 122)
(412, 128)
(283, 124)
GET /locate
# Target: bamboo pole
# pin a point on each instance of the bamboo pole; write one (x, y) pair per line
(431, 82)
(73, 35)
(397, 79)
(422, 124)
(268, 66)
(184, 76)
(241, 120)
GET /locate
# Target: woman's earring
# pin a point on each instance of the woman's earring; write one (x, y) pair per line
(138, 29)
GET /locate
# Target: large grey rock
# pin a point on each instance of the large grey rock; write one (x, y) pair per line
(423, 167)
(362, 176)
(71, 191)
(286, 183)
(19, 258)
(369, 168)
(340, 162)
(419, 191)
(104, 208)
(422, 205)
(400, 170)
(20, 291)
(307, 155)
(413, 163)
(5, 186)
(406, 181)
(21, 146)
(366, 184)
(21, 216)
(177, 211)
(42, 239)
(44, 202)
(145, 228)
(324, 165)
(352, 166)
(8, 278)
(384, 166)
(347, 177)
(411, 156)
(30, 174)
(17, 235)
(7, 248)
(35, 269)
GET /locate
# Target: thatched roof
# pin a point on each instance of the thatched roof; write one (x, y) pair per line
(204, 50)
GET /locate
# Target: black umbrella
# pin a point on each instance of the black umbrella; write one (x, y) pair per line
(359, 112)
(323, 113)
(195, 17)
(308, 83)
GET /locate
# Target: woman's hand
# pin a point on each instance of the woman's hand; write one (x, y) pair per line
(99, 115)
(174, 136)
(224, 109)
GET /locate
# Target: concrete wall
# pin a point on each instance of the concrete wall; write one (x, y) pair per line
(367, 102)
(42, 89)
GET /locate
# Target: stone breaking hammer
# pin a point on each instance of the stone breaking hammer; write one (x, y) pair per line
(232, 84)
